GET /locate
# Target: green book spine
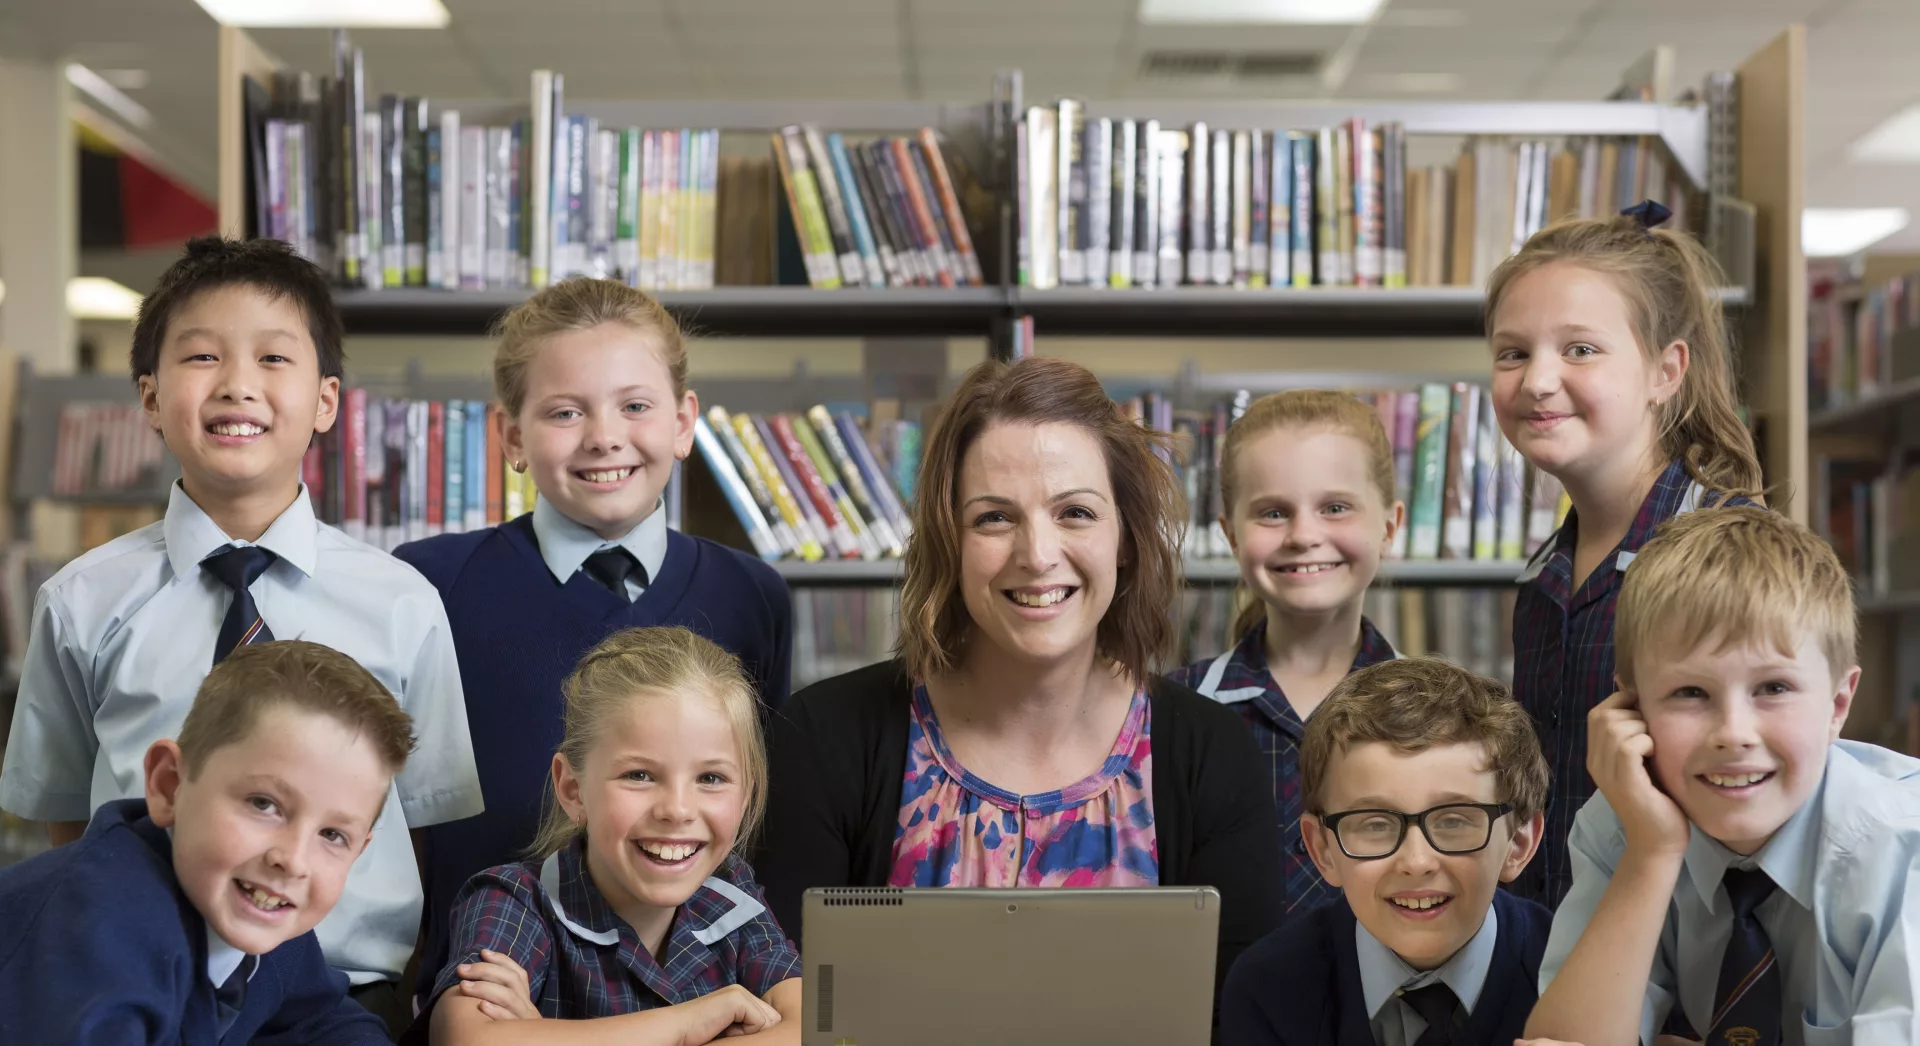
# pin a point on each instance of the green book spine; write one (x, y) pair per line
(1429, 471)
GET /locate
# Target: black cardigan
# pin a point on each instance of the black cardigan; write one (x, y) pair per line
(838, 758)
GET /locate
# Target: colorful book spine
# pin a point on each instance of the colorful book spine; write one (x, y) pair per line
(1510, 480)
(779, 522)
(950, 204)
(1305, 210)
(808, 530)
(477, 495)
(885, 538)
(1486, 490)
(497, 472)
(1260, 215)
(1172, 154)
(435, 460)
(454, 511)
(1430, 472)
(735, 490)
(920, 211)
(877, 479)
(839, 225)
(649, 217)
(874, 273)
(1406, 436)
(1463, 436)
(799, 470)
(809, 214)
(823, 467)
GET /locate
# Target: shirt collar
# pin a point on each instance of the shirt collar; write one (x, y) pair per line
(1788, 857)
(1248, 660)
(223, 959)
(1673, 493)
(1383, 974)
(565, 544)
(715, 910)
(192, 535)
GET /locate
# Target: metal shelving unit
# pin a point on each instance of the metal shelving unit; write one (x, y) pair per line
(1877, 412)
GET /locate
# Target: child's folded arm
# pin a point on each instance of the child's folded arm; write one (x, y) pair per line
(457, 1021)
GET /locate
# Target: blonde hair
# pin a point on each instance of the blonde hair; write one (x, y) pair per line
(1302, 408)
(1414, 704)
(655, 664)
(1668, 280)
(1037, 390)
(578, 304)
(1739, 574)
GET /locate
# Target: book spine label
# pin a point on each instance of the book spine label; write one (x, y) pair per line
(1430, 472)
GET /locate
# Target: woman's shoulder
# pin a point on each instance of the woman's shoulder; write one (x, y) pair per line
(877, 688)
(1183, 708)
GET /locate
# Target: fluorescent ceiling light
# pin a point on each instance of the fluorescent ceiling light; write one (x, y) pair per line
(1896, 140)
(112, 98)
(329, 14)
(98, 298)
(1255, 12)
(1840, 231)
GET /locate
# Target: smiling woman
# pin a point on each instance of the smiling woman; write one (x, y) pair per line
(1020, 738)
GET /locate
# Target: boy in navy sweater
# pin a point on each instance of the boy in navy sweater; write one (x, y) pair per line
(186, 917)
(1423, 784)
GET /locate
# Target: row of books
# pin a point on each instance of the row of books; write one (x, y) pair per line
(816, 484)
(1469, 494)
(1870, 512)
(105, 448)
(1861, 340)
(389, 194)
(875, 214)
(1132, 203)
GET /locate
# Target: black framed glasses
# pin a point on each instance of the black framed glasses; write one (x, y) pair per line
(1452, 828)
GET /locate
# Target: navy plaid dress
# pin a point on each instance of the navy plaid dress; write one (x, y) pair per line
(1244, 683)
(1563, 662)
(584, 961)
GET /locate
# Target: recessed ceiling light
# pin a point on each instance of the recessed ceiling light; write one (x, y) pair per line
(96, 87)
(98, 298)
(1834, 232)
(1896, 140)
(1245, 12)
(329, 14)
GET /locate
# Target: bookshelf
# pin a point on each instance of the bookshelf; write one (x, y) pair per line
(1770, 317)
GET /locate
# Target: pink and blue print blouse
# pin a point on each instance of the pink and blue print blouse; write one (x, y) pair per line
(958, 830)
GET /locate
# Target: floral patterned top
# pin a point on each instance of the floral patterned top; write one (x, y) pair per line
(958, 830)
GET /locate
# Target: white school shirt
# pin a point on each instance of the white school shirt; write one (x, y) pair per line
(123, 636)
(1844, 920)
(565, 544)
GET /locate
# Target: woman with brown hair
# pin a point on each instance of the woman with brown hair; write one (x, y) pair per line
(1020, 738)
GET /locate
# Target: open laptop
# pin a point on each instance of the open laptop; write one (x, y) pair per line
(952, 967)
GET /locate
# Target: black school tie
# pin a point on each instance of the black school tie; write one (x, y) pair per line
(238, 567)
(613, 566)
(1439, 1007)
(231, 997)
(1746, 1004)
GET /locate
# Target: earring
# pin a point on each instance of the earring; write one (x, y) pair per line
(517, 466)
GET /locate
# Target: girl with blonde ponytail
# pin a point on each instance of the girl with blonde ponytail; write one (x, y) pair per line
(1306, 478)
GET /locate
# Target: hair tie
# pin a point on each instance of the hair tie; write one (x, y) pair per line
(1648, 213)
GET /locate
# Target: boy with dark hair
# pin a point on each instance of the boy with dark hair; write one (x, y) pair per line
(238, 358)
(185, 917)
(1759, 876)
(1424, 785)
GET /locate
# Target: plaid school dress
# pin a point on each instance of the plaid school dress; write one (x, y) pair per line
(1239, 678)
(1563, 661)
(584, 961)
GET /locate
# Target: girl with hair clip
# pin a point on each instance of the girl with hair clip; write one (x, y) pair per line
(590, 384)
(1020, 738)
(633, 919)
(1612, 373)
(1306, 478)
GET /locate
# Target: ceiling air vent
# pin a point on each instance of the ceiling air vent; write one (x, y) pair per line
(1267, 65)
(1250, 65)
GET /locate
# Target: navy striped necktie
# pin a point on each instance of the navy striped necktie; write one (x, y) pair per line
(238, 567)
(1746, 1003)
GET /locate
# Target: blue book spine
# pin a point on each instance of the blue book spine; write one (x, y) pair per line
(1280, 211)
(856, 211)
(1304, 217)
(516, 256)
(455, 472)
(476, 436)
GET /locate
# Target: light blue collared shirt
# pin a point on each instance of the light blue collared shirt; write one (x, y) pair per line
(223, 959)
(565, 544)
(123, 636)
(1384, 975)
(1847, 868)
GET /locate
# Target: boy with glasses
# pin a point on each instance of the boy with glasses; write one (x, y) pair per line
(1423, 785)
